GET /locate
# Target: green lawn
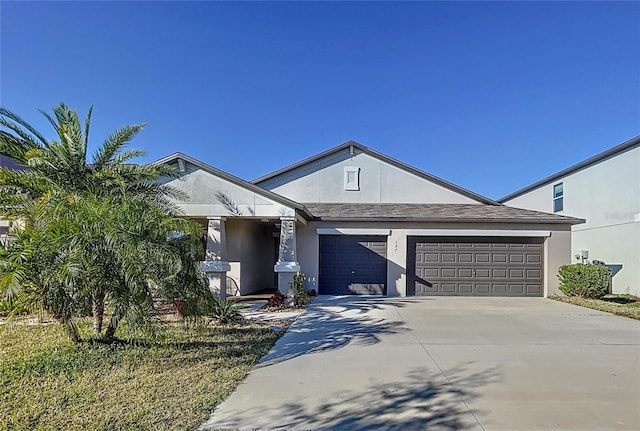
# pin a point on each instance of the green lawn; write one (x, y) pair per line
(622, 305)
(46, 383)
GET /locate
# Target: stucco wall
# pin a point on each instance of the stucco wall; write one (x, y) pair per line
(556, 247)
(607, 195)
(618, 246)
(235, 235)
(380, 182)
(250, 253)
(556, 250)
(203, 191)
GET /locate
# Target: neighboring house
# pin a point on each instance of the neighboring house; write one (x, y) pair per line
(604, 190)
(355, 221)
(5, 225)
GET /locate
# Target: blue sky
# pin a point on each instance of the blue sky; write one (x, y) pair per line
(491, 96)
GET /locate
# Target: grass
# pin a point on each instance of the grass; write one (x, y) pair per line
(619, 304)
(46, 383)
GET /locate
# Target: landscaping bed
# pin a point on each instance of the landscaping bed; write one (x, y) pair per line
(621, 305)
(47, 383)
(282, 309)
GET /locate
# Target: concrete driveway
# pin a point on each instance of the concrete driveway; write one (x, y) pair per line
(444, 364)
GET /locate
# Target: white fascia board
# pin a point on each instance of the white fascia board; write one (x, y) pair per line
(300, 219)
(352, 231)
(478, 232)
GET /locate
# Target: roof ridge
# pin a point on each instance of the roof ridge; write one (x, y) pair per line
(388, 159)
(611, 152)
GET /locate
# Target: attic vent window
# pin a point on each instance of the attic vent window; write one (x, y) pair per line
(351, 178)
(181, 167)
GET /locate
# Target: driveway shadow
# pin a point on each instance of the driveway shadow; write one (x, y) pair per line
(333, 322)
(422, 400)
(365, 303)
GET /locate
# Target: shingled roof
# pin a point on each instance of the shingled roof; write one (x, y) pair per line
(433, 213)
(10, 163)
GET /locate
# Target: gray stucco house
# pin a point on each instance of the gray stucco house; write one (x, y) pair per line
(356, 221)
(604, 190)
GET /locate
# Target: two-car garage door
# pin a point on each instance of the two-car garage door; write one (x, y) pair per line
(453, 266)
(440, 266)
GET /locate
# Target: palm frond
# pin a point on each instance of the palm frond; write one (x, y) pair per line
(70, 133)
(87, 123)
(114, 144)
(23, 124)
(51, 121)
(15, 146)
(126, 156)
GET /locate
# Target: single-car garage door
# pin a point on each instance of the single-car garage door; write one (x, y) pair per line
(352, 265)
(454, 266)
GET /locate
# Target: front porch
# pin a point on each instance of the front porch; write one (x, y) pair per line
(261, 296)
(247, 257)
(249, 232)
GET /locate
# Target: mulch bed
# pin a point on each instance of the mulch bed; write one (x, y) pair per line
(271, 309)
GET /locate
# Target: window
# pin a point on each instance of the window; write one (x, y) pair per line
(351, 178)
(558, 198)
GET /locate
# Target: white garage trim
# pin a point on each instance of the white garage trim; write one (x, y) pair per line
(352, 231)
(477, 232)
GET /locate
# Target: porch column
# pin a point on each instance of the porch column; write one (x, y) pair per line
(287, 264)
(215, 263)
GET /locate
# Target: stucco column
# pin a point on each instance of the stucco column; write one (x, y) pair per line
(215, 264)
(287, 264)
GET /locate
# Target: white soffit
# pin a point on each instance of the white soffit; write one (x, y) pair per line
(352, 231)
(477, 232)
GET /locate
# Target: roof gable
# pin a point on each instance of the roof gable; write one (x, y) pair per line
(277, 180)
(211, 191)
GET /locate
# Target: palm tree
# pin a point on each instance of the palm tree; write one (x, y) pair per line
(153, 255)
(41, 264)
(63, 165)
(107, 222)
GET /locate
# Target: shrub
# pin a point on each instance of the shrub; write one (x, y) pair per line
(300, 295)
(277, 300)
(6, 307)
(584, 280)
(225, 311)
(18, 305)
